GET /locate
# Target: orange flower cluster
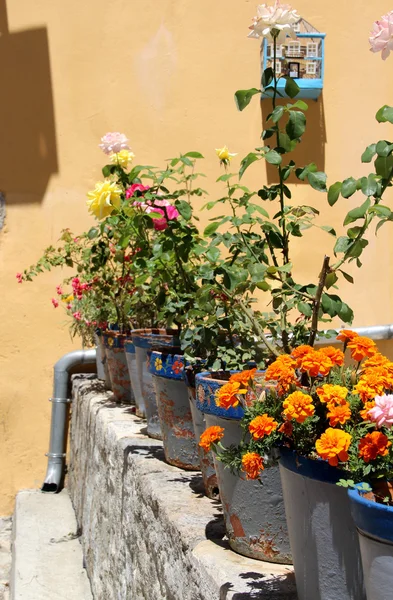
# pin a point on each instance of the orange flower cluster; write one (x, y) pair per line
(316, 363)
(261, 426)
(346, 335)
(298, 406)
(333, 446)
(286, 428)
(361, 347)
(282, 370)
(244, 377)
(333, 395)
(335, 354)
(372, 382)
(210, 436)
(227, 394)
(300, 352)
(372, 445)
(252, 465)
(339, 414)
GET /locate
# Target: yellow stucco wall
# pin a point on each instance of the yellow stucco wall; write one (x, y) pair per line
(163, 72)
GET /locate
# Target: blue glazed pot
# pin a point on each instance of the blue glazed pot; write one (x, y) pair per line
(323, 538)
(254, 514)
(117, 365)
(130, 353)
(145, 340)
(374, 523)
(174, 410)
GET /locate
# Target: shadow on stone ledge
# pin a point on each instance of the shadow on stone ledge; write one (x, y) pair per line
(262, 586)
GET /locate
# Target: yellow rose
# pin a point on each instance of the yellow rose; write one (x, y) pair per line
(122, 158)
(104, 199)
(224, 155)
(68, 299)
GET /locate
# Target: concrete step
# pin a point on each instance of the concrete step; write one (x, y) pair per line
(47, 560)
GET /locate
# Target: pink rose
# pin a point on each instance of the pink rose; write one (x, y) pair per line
(136, 187)
(113, 143)
(19, 277)
(382, 413)
(59, 290)
(381, 38)
(55, 302)
(77, 315)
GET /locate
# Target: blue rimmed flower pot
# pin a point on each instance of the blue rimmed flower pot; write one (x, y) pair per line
(145, 340)
(254, 513)
(129, 349)
(101, 360)
(374, 523)
(174, 410)
(117, 365)
(323, 538)
(206, 459)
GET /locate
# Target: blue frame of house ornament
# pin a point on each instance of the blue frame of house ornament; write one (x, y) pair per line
(309, 88)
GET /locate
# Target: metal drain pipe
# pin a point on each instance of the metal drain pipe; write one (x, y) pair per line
(375, 332)
(60, 401)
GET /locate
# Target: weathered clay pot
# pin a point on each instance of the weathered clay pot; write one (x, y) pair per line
(174, 410)
(374, 524)
(129, 349)
(254, 513)
(117, 365)
(144, 341)
(322, 533)
(101, 360)
(206, 460)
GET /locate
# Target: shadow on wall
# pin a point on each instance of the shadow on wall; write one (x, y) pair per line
(28, 155)
(312, 147)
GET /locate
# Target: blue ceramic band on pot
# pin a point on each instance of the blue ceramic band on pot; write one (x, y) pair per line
(206, 389)
(318, 469)
(170, 366)
(371, 517)
(148, 338)
(129, 346)
(113, 340)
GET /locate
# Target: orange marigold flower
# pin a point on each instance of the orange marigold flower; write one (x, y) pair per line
(335, 354)
(226, 395)
(361, 347)
(339, 414)
(316, 363)
(299, 352)
(261, 426)
(298, 406)
(243, 377)
(367, 406)
(252, 465)
(376, 360)
(333, 446)
(286, 428)
(371, 384)
(210, 436)
(372, 445)
(333, 395)
(282, 370)
(346, 335)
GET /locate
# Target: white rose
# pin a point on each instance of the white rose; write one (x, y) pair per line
(274, 22)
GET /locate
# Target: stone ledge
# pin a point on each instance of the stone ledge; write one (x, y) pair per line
(148, 532)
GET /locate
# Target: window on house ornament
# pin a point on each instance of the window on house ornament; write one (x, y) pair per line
(293, 49)
(279, 50)
(278, 67)
(311, 68)
(312, 50)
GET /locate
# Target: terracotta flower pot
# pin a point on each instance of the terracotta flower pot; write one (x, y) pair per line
(144, 341)
(254, 513)
(324, 543)
(174, 410)
(117, 365)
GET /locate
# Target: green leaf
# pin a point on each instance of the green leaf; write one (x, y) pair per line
(291, 87)
(353, 232)
(194, 155)
(349, 187)
(305, 309)
(93, 232)
(184, 209)
(329, 229)
(385, 114)
(357, 213)
(244, 97)
(334, 193)
(356, 249)
(263, 285)
(346, 276)
(383, 148)
(384, 166)
(277, 114)
(286, 143)
(267, 77)
(368, 154)
(317, 181)
(341, 245)
(213, 254)
(246, 162)
(331, 279)
(381, 210)
(298, 104)
(369, 185)
(273, 157)
(212, 228)
(346, 313)
(296, 125)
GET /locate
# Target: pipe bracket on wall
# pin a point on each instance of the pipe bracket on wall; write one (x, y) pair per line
(61, 400)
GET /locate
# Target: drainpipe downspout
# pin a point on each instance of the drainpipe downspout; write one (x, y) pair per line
(60, 402)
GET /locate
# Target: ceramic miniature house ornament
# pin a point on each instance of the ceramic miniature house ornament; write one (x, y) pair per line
(302, 59)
